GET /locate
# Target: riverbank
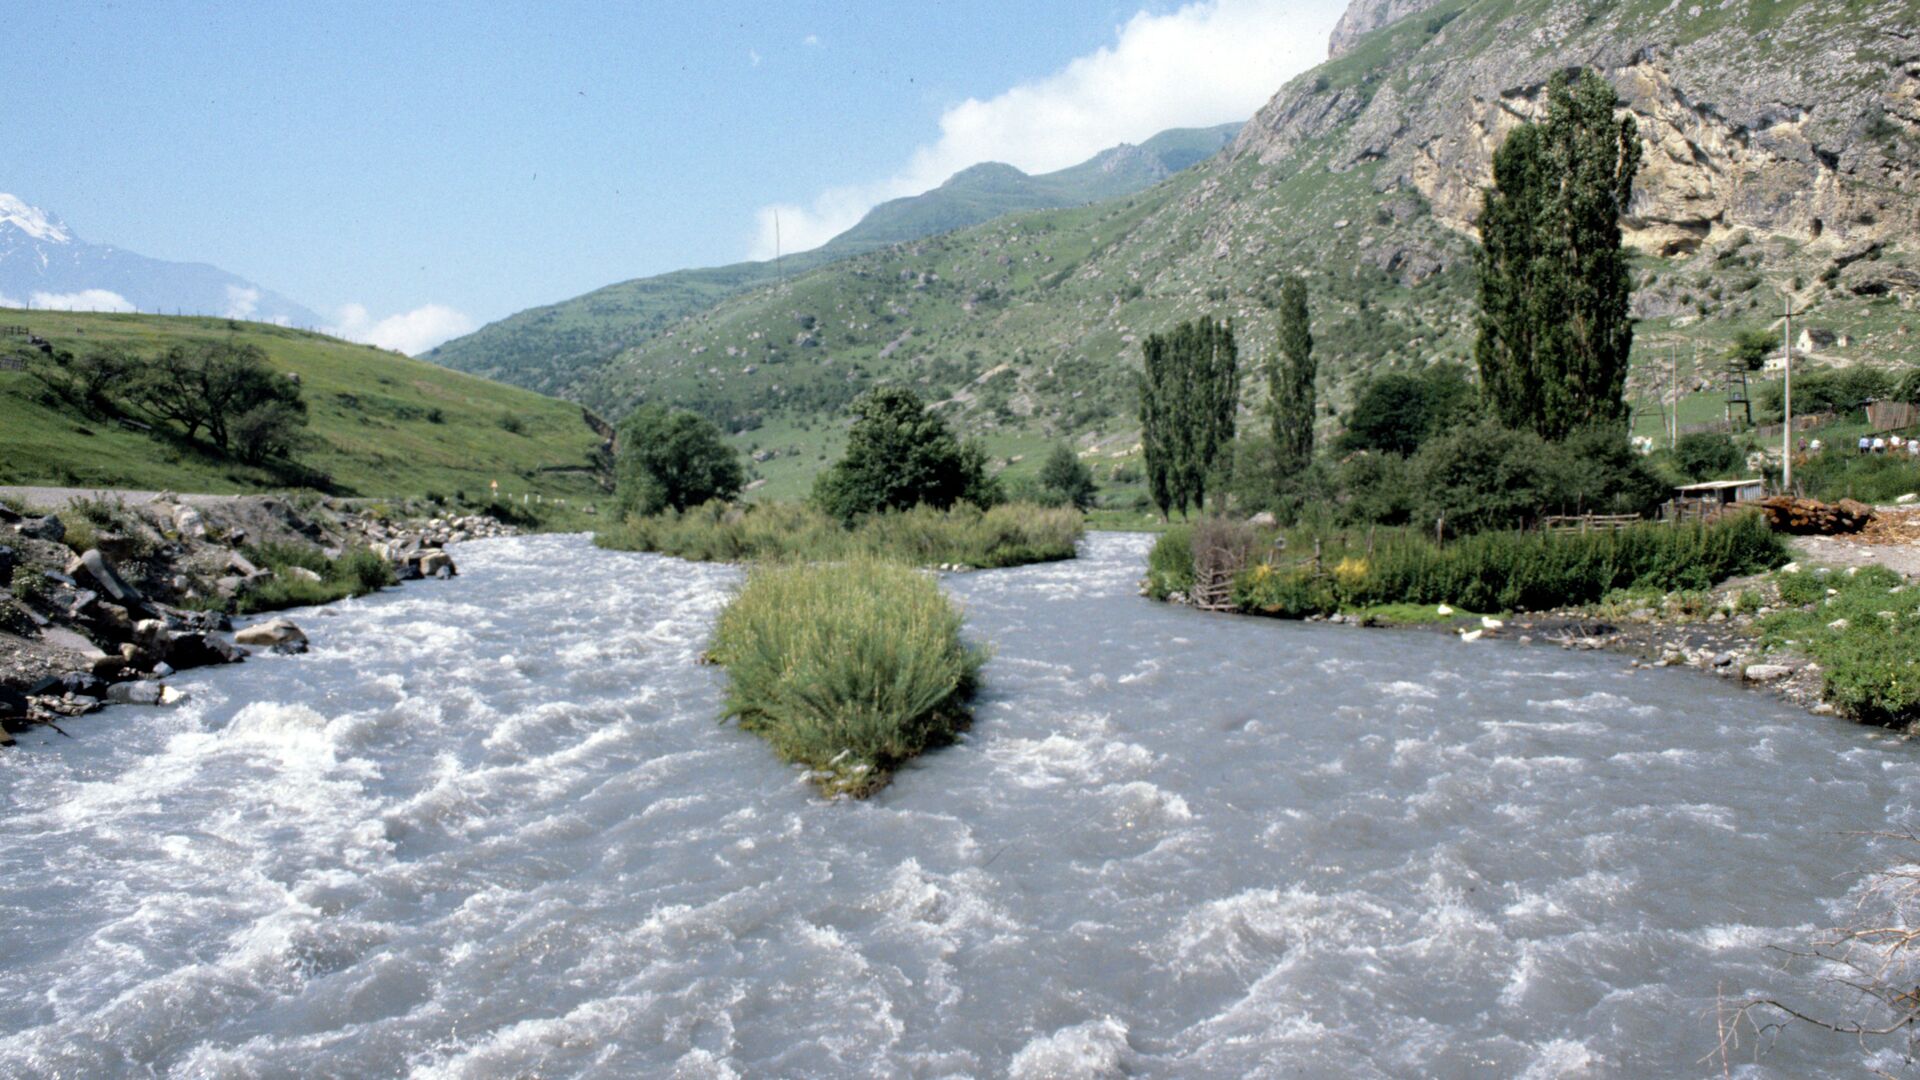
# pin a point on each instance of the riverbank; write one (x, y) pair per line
(1830, 632)
(110, 593)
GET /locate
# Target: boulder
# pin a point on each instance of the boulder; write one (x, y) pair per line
(8, 560)
(144, 692)
(48, 528)
(13, 705)
(272, 633)
(62, 638)
(300, 573)
(108, 580)
(434, 563)
(188, 523)
(1766, 673)
(1264, 519)
(73, 682)
(200, 649)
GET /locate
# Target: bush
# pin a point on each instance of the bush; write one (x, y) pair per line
(1704, 454)
(848, 668)
(1509, 571)
(1170, 563)
(354, 573)
(1009, 535)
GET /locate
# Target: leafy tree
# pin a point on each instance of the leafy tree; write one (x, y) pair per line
(1390, 415)
(1290, 377)
(1751, 348)
(1555, 330)
(1065, 479)
(901, 455)
(1397, 412)
(1482, 477)
(88, 381)
(671, 458)
(220, 387)
(1703, 454)
(1838, 390)
(1597, 471)
(1189, 395)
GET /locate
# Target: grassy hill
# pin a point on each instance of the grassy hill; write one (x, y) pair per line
(379, 423)
(1360, 175)
(556, 349)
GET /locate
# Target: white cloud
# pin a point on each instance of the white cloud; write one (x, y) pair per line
(411, 332)
(810, 39)
(84, 300)
(241, 302)
(753, 57)
(8, 301)
(1207, 63)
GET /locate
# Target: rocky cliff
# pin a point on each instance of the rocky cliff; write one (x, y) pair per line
(1796, 120)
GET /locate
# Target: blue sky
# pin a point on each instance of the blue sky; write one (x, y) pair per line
(467, 161)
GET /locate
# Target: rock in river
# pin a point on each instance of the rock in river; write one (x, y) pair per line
(274, 633)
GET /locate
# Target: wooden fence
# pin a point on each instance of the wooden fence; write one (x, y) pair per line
(1892, 415)
(1589, 522)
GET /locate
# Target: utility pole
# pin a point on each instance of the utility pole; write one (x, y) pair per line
(1673, 394)
(1786, 402)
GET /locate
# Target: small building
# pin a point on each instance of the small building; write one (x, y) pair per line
(1815, 338)
(1709, 497)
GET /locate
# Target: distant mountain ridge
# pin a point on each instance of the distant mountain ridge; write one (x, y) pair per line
(557, 348)
(43, 263)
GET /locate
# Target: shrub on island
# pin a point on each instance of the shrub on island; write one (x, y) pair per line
(848, 668)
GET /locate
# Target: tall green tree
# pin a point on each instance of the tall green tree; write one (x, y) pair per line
(673, 459)
(1290, 376)
(1189, 399)
(900, 455)
(1555, 330)
(1065, 479)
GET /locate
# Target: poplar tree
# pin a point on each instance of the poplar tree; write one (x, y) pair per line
(1189, 396)
(1290, 380)
(1555, 328)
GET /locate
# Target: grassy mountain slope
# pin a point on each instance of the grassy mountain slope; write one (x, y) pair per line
(1361, 175)
(555, 349)
(379, 423)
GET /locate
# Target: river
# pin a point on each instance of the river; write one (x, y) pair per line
(490, 828)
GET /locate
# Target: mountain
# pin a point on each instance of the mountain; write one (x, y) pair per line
(43, 264)
(1782, 158)
(555, 349)
(379, 423)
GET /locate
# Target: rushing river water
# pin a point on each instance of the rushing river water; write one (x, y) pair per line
(490, 828)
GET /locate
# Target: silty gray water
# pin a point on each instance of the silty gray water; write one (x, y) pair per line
(490, 828)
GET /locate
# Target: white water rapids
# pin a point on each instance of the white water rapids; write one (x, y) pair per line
(490, 828)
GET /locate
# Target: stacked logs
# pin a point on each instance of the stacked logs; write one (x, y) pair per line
(1811, 517)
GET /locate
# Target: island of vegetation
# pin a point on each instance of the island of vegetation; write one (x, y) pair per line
(838, 649)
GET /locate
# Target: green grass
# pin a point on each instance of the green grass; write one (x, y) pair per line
(965, 536)
(1488, 572)
(380, 423)
(848, 668)
(1863, 627)
(354, 573)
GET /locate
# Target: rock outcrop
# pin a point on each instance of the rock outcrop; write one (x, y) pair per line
(1805, 128)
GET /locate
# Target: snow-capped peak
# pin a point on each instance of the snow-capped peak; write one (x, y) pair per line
(32, 220)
